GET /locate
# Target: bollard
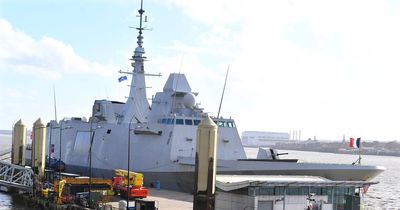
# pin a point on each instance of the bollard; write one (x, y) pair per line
(18, 144)
(158, 185)
(38, 147)
(206, 163)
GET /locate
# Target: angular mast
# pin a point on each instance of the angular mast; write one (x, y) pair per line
(137, 106)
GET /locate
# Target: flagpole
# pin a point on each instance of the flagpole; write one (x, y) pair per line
(359, 150)
(356, 144)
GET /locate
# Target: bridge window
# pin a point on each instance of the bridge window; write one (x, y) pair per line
(221, 124)
(226, 124)
(188, 122)
(164, 121)
(170, 121)
(196, 122)
(179, 121)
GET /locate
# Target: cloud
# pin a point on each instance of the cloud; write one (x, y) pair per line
(47, 57)
(321, 66)
(215, 13)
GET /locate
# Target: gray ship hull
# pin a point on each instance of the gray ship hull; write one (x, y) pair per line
(184, 180)
(168, 156)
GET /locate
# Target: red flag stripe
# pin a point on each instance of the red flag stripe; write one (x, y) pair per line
(351, 144)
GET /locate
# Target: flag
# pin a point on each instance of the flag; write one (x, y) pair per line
(351, 144)
(358, 142)
(122, 78)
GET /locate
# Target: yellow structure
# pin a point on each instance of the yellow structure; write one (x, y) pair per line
(80, 181)
(136, 179)
(18, 144)
(45, 192)
(206, 163)
(59, 190)
(38, 147)
(84, 181)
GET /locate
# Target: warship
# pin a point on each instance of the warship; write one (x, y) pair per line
(161, 138)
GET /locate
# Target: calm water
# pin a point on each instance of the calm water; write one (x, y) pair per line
(385, 195)
(12, 202)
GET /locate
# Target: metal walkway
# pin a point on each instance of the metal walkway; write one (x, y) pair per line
(15, 176)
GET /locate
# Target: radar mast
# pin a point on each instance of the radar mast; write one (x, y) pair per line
(137, 107)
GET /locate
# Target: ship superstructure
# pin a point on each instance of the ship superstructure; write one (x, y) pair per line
(163, 138)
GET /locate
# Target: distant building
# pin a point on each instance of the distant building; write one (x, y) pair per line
(263, 138)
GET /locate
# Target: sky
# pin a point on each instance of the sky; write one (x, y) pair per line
(327, 68)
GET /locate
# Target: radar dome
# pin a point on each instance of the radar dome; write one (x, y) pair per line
(189, 100)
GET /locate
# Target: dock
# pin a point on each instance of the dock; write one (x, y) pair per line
(165, 199)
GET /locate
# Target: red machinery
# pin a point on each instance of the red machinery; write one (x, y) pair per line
(120, 184)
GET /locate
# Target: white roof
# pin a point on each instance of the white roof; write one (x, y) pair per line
(234, 182)
(177, 83)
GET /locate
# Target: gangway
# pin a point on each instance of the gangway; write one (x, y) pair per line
(15, 176)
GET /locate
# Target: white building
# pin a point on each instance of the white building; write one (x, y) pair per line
(275, 192)
(263, 138)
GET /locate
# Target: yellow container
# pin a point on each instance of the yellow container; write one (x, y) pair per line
(45, 193)
(137, 180)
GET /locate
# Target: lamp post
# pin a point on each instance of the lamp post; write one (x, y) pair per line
(51, 146)
(129, 158)
(92, 134)
(51, 128)
(51, 150)
(59, 165)
(59, 160)
(284, 198)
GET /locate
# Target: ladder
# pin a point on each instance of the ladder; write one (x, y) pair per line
(15, 176)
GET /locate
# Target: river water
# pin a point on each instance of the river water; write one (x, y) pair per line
(385, 195)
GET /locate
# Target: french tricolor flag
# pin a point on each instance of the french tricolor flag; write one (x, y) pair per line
(356, 143)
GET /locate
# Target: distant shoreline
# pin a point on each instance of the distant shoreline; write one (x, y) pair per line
(367, 148)
(5, 132)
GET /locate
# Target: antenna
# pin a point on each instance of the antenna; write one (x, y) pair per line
(55, 104)
(176, 84)
(105, 90)
(223, 92)
(141, 11)
(180, 66)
